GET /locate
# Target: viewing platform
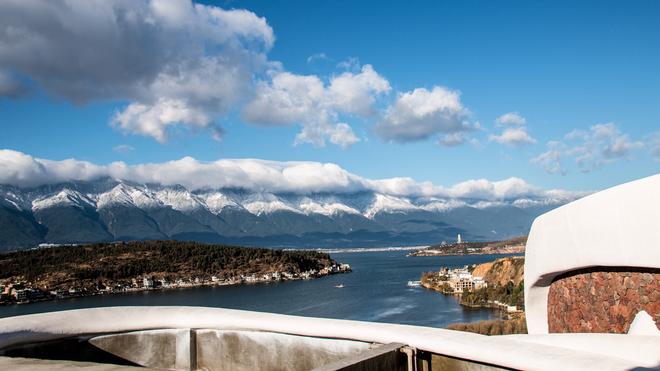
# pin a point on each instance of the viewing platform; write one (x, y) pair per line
(187, 338)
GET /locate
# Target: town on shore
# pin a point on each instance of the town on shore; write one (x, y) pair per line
(497, 284)
(76, 271)
(22, 292)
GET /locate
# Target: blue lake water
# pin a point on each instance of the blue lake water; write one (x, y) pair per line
(376, 290)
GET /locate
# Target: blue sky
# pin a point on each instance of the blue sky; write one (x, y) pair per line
(587, 68)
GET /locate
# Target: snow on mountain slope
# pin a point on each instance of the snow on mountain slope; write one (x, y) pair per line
(144, 198)
(309, 206)
(65, 197)
(389, 204)
(14, 200)
(216, 201)
(436, 205)
(119, 195)
(180, 199)
(267, 203)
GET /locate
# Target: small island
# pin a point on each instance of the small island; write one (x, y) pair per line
(511, 246)
(106, 268)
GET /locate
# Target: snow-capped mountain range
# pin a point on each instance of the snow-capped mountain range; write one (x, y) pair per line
(110, 209)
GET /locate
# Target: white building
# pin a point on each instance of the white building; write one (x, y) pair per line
(147, 283)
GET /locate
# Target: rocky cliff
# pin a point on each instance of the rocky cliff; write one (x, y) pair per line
(501, 271)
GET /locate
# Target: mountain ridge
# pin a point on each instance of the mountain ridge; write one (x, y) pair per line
(111, 210)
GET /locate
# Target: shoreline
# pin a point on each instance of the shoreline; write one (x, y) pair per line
(502, 308)
(465, 254)
(172, 287)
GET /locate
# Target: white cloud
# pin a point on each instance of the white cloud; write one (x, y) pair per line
(340, 134)
(153, 120)
(511, 118)
(175, 64)
(601, 144)
(300, 177)
(421, 113)
(590, 149)
(513, 137)
(317, 57)
(144, 52)
(350, 64)
(453, 139)
(654, 146)
(289, 99)
(550, 160)
(356, 92)
(123, 148)
(485, 189)
(515, 130)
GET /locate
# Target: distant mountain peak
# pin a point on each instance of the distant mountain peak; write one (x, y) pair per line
(111, 209)
(65, 197)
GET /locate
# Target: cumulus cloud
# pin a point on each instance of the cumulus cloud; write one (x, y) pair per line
(513, 137)
(153, 120)
(300, 177)
(422, 113)
(306, 100)
(356, 92)
(175, 62)
(511, 118)
(514, 132)
(590, 149)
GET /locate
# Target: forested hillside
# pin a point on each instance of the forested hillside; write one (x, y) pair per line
(118, 261)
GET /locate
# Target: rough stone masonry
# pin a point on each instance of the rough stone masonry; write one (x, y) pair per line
(603, 299)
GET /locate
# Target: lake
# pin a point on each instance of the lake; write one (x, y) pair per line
(376, 290)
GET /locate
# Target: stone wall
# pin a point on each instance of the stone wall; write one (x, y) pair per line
(602, 299)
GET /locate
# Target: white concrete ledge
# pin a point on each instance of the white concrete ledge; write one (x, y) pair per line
(502, 351)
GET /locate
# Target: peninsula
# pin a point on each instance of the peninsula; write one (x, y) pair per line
(106, 268)
(497, 284)
(511, 246)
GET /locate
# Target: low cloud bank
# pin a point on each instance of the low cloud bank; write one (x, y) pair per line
(300, 177)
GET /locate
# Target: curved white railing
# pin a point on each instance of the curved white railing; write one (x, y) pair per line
(620, 352)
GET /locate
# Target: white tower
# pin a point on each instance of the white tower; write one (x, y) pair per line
(458, 238)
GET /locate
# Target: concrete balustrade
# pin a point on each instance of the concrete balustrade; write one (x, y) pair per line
(312, 335)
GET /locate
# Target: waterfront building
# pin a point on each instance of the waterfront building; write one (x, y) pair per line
(20, 295)
(147, 283)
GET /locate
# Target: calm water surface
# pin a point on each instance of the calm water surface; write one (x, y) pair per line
(375, 291)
